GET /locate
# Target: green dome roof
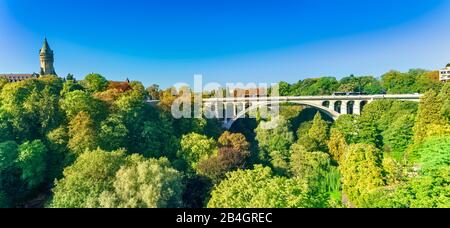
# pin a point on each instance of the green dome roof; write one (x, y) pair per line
(448, 65)
(46, 48)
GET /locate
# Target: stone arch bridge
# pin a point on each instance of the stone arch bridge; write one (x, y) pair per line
(232, 109)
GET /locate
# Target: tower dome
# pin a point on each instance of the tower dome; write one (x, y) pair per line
(46, 57)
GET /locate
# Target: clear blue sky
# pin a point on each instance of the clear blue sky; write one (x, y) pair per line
(168, 41)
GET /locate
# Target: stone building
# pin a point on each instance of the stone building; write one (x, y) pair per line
(18, 77)
(46, 57)
(444, 74)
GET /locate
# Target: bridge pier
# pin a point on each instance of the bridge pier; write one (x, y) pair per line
(357, 108)
(213, 109)
(226, 110)
(218, 110)
(344, 108)
(332, 104)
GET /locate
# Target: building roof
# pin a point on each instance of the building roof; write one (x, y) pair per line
(250, 92)
(46, 48)
(448, 65)
(18, 77)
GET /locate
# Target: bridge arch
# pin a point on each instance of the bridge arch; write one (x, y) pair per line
(331, 113)
(350, 107)
(362, 104)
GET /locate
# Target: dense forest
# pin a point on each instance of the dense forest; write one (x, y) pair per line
(96, 143)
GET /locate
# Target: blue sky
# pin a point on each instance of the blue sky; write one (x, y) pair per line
(168, 41)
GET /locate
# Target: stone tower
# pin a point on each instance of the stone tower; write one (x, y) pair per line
(46, 57)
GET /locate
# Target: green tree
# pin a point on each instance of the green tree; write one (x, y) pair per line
(358, 129)
(32, 106)
(284, 89)
(274, 140)
(52, 82)
(369, 133)
(8, 155)
(444, 98)
(131, 108)
(236, 141)
(70, 77)
(337, 146)
(445, 111)
(82, 134)
(387, 124)
(70, 86)
(399, 83)
(185, 126)
(399, 136)
(426, 82)
(92, 174)
(111, 95)
(348, 126)
(49, 113)
(367, 84)
(384, 113)
(321, 86)
(319, 132)
(314, 86)
(6, 128)
(56, 142)
(261, 189)
(293, 114)
(138, 87)
(371, 85)
(430, 121)
(80, 101)
(153, 92)
(3, 82)
(32, 161)
(361, 170)
(159, 139)
(113, 133)
(303, 129)
(147, 184)
(434, 154)
(94, 83)
(195, 148)
(8, 179)
(13, 111)
(428, 191)
(310, 166)
(393, 171)
(228, 159)
(4, 200)
(403, 83)
(166, 99)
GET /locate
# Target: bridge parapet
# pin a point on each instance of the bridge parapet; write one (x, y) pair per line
(414, 97)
